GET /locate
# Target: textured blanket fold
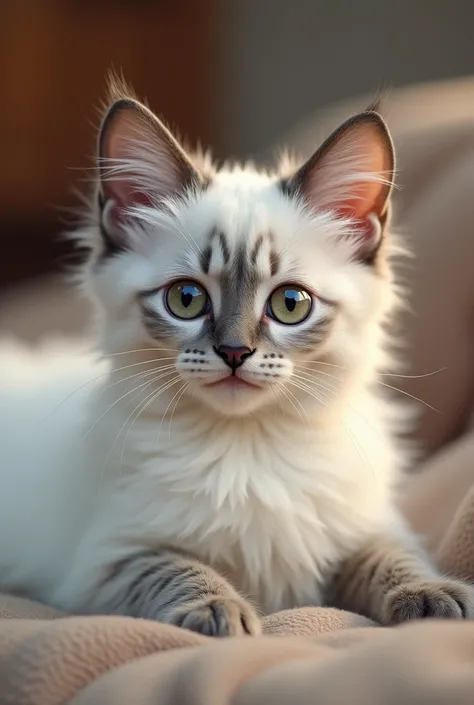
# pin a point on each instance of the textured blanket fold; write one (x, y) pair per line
(47, 658)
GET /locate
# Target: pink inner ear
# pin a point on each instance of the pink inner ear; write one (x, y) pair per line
(363, 202)
(120, 202)
(349, 176)
(368, 228)
(125, 195)
(361, 207)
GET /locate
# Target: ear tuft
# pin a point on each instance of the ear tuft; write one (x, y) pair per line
(140, 163)
(352, 175)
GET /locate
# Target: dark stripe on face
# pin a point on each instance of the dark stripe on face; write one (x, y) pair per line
(274, 263)
(224, 247)
(205, 259)
(158, 327)
(310, 339)
(256, 249)
(274, 256)
(206, 255)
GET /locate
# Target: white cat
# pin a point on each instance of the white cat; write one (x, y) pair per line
(233, 425)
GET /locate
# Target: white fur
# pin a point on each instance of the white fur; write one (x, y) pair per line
(271, 492)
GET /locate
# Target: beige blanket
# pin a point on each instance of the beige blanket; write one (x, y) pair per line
(48, 659)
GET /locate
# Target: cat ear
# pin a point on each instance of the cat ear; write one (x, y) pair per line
(140, 163)
(352, 174)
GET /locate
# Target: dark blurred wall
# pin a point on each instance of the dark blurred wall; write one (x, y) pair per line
(282, 59)
(236, 73)
(54, 58)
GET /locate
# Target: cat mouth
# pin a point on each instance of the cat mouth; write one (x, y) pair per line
(233, 382)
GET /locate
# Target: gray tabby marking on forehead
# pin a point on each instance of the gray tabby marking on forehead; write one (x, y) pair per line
(206, 255)
(205, 259)
(274, 256)
(256, 249)
(237, 321)
(274, 263)
(224, 247)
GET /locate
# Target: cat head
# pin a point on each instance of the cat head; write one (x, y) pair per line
(260, 288)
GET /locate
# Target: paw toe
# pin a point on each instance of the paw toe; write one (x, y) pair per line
(219, 617)
(436, 599)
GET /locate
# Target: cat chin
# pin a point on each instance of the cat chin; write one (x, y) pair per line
(230, 400)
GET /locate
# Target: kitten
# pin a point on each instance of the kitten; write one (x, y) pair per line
(231, 453)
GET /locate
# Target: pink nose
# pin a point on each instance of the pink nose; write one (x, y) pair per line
(234, 356)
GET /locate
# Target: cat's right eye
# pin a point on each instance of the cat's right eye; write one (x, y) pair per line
(187, 300)
(289, 305)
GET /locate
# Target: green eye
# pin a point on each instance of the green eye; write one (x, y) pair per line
(289, 305)
(187, 300)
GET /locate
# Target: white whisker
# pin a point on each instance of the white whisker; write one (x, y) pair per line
(105, 374)
(150, 382)
(139, 375)
(189, 239)
(332, 389)
(179, 394)
(411, 396)
(352, 437)
(137, 350)
(117, 401)
(286, 392)
(427, 374)
(389, 386)
(140, 408)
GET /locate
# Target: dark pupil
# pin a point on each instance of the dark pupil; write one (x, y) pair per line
(188, 294)
(291, 299)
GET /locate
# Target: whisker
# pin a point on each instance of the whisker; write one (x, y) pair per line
(164, 416)
(277, 391)
(144, 404)
(180, 393)
(130, 352)
(309, 370)
(379, 374)
(286, 392)
(140, 386)
(188, 238)
(305, 388)
(332, 389)
(411, 396)
(389, 386)
(427, 374)
(352, 437)
(141, 375)
(326, 364)
(150, 382)
(104, 374)
(168, 371)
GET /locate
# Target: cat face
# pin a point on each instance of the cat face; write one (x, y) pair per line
(249, 282)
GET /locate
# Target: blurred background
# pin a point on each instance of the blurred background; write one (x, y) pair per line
(237, 74)
(244, 76)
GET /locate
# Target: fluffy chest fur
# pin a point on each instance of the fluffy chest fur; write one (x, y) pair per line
(272, 501)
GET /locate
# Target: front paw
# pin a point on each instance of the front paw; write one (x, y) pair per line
(441, 599)
(218, 616)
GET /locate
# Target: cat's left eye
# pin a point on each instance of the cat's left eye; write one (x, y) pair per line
(187, 300)
(289, 305)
